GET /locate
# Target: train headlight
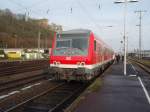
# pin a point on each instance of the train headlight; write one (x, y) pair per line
(55, 63)
(58, 63)
(82, 63)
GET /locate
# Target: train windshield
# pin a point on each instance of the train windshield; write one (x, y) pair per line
(71, 45)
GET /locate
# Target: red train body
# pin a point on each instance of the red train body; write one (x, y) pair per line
(78, 55)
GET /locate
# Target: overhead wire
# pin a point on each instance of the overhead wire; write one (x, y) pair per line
(90, 16)
(37, 3)
(22, 7)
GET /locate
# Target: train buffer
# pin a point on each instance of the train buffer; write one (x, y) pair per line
(118, 93)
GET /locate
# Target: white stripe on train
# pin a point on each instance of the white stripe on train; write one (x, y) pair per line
(78, 66)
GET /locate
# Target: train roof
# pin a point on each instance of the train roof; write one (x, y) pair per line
(103, 42)
(86, 32)
(76, 31)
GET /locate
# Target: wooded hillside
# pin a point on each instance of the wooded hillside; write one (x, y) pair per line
(16, 31)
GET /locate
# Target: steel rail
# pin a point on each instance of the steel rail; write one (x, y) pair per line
(33, 98)
(21, 82)
(143, 66)
(66, 99)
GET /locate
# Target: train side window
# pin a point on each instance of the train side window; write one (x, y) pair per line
(94, 45)
(100, 50)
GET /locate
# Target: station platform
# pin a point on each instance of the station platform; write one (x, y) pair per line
(118, 93)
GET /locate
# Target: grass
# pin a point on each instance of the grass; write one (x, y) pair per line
(146, 62)
(95, 86)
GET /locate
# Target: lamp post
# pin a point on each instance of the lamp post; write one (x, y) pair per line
(124, 30)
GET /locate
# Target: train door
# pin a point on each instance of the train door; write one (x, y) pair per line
(95, 52)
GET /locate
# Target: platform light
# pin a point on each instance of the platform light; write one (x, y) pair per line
(123, 1)
(124, 37)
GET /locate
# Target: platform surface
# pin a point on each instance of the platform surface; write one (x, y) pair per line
(118, 93)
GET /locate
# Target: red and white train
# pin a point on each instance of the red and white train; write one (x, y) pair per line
(78, 55)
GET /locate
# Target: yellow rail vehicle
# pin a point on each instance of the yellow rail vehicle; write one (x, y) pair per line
(14, 55)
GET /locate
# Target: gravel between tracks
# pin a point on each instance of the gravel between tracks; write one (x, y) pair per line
(25, 94)
(14, 77)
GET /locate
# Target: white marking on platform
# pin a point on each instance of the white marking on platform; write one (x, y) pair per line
(132, 75)
(133, 68)
(4, 96)
(13, 92)
(144, 89)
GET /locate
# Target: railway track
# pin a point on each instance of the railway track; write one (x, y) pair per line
(18, 70)
(51, 100)
(22, 67)
(16, 76)
(142, 65)
(143, 75)
(51, 97)
(8, 86)
(13, 63)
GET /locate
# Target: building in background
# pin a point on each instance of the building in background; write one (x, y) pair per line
(144, 53)
(57, 28)
(43, 23)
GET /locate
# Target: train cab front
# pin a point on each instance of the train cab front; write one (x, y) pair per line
(69, 56)
(68, 67)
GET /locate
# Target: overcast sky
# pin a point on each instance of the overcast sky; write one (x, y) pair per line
(96, 15)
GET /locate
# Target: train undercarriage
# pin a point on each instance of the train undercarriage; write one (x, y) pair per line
(78, 74)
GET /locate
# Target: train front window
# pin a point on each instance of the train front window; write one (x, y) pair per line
(71, 45)
(63, 43)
